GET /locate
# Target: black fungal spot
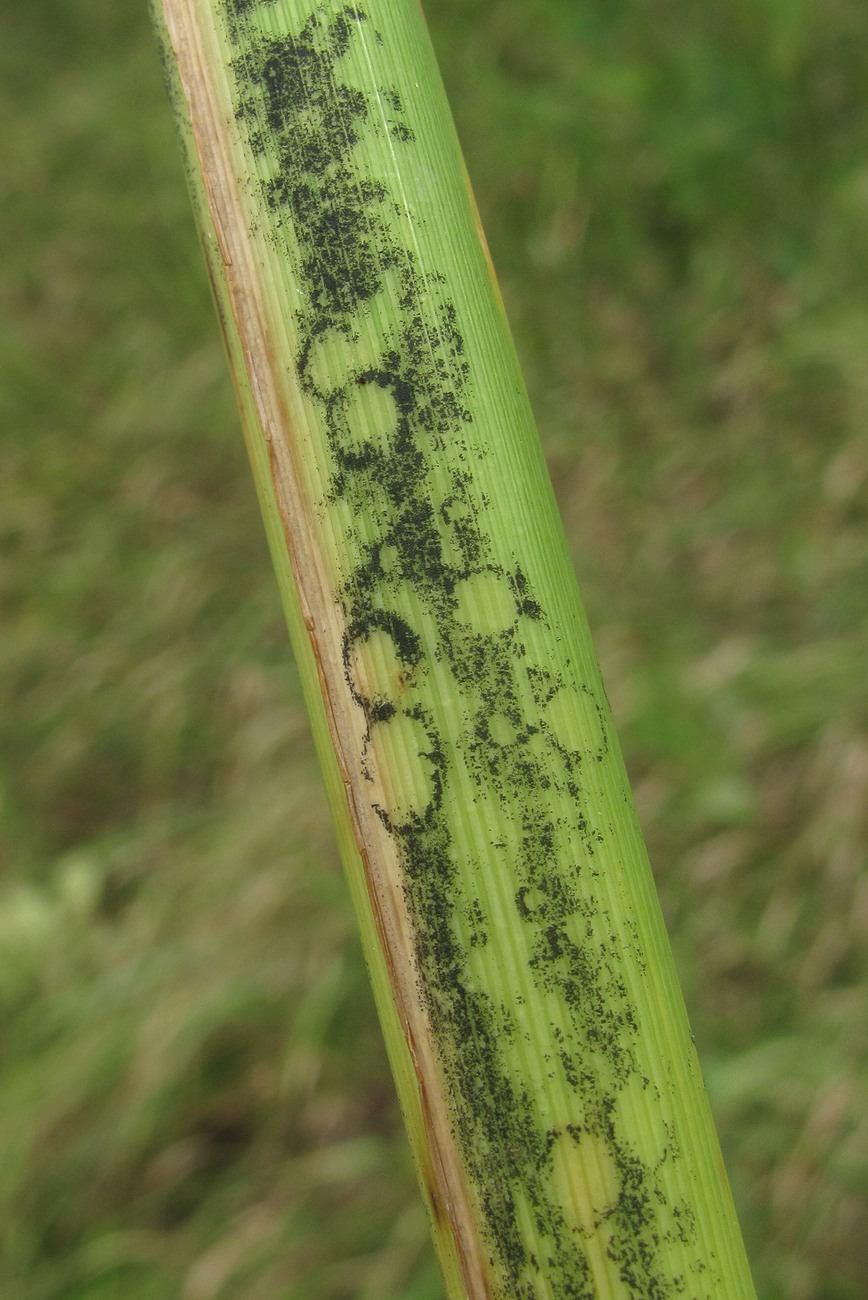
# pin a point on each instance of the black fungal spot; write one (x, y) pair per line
(476, 921)
(525, 602)
(297, 102)
(238, 8)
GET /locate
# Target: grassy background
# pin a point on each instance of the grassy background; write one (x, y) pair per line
(193, 1097)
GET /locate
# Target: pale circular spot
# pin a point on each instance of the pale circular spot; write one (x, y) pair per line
(331, 361)
(638, 1113)
(531, 903)
(485, 603)
(575, 722)
(398, 760)
(584, 1175)
(368, 419)
(340, 517)
(377, 670)
(500, 729)
(389, 556)
(489, 815)
(380, 311)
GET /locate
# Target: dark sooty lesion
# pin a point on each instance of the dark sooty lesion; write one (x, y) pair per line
(299, 106)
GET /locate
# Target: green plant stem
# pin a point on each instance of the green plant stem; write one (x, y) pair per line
(522, 972)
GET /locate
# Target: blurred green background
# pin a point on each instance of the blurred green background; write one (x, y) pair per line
(194, 1101)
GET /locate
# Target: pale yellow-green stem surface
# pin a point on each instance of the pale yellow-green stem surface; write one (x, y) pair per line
(522, 972)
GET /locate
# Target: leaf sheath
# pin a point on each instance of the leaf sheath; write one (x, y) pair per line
(522, 972)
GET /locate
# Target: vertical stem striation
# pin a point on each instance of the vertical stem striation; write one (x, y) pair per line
(501, 879)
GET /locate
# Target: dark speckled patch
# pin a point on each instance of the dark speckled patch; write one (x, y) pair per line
(299, 104)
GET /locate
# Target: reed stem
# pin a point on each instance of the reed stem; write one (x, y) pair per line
(523, 976)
